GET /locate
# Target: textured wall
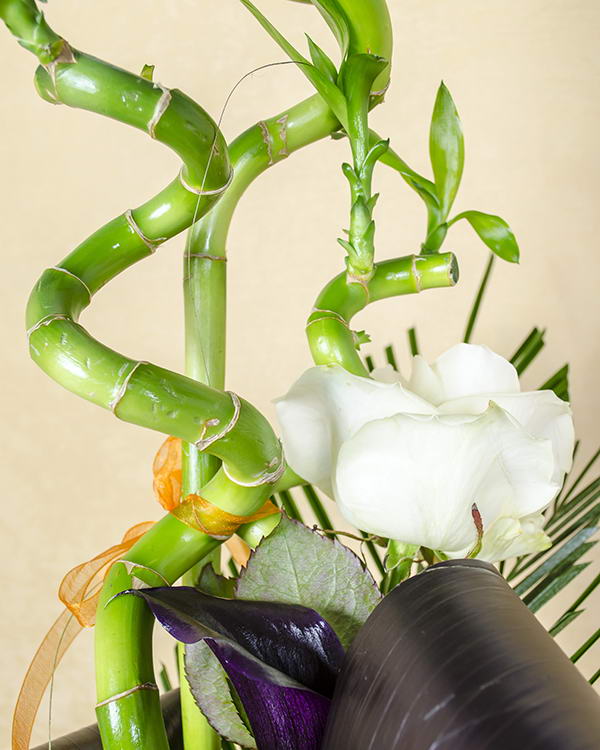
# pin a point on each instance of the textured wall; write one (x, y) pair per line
(524, 76)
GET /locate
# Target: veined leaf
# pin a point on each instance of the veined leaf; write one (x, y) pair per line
(329, 91)
(494, 232)
(211, 582)
(446, 149)
(208, 682)
(296, 565)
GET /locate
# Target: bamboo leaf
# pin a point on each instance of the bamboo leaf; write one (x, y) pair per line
(424, 187)
(446, 149)
(148, 72)
(494, 232)
(322, 62)
(329, 91)
(296, 565)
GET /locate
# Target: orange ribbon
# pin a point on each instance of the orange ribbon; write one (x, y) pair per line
(81, 587)
(79, 591)
(194, 510)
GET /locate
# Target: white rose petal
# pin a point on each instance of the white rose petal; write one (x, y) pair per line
(416, 479)
(511, 537)
(465, 370)
(407, 460)
(325, 407)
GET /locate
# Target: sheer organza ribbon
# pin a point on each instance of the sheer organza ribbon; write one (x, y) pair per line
(81, 587)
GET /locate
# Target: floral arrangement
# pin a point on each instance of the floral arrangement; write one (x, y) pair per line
(454, 480)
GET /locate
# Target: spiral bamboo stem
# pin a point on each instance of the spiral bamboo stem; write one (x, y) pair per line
(330, 337)
(231, 454)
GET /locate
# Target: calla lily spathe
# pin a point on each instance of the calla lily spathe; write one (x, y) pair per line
(407, 459)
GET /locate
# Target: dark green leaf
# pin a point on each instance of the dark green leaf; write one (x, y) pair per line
(546, 590)
(390, 356)
(559, 383)
(298, 566)
(494, 232)
(581, 476)
(568, 553)
(412, 341)
(586, 646)
(574, 506)
(478, 300)
(528, 350)
(563, 621)
(446, 149)
(289, 505)
(165, 680)
(318, 509)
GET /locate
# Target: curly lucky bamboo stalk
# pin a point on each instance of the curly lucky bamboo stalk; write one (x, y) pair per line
(209, 421)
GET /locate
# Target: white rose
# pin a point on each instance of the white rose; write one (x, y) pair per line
(407, 460)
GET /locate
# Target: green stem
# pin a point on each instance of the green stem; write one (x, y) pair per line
(204, 292)
(252, 153)
(123, 637)
(330, 338)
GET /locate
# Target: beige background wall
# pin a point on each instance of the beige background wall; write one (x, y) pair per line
(525, 78)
